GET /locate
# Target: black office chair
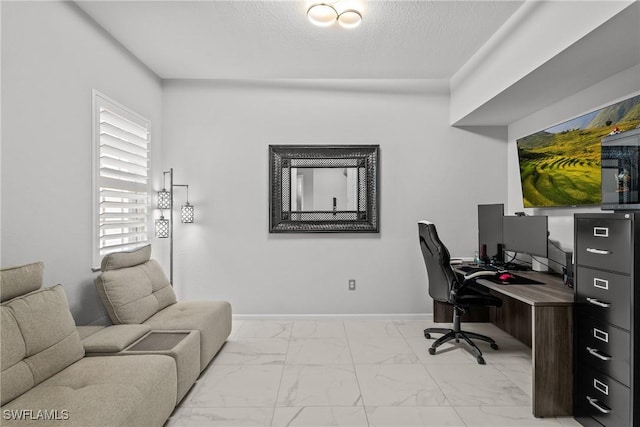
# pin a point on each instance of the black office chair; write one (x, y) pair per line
(455, 289)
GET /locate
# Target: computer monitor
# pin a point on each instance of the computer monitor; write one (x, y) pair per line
(490, 232)
(526, 234)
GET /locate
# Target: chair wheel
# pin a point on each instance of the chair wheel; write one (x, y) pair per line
(494, 346)
(432, 351)
(427, 335)
(480, 360)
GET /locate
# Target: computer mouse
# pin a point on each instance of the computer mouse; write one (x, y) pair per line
(504, 277)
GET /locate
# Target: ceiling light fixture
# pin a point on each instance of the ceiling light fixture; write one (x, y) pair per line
(349, 18)
(324, 15)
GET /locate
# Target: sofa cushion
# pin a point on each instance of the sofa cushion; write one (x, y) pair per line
(133, 294)
(211, 318)
(39, 339)
(103, 391)
(118, 260)
(20, 280)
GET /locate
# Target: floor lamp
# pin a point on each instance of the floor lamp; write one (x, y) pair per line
(164, 227)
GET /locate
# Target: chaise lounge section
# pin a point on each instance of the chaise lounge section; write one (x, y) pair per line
(135, 290)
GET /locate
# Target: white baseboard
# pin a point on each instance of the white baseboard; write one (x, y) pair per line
(385, 316)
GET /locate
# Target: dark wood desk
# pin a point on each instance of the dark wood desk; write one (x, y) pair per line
(541, 316)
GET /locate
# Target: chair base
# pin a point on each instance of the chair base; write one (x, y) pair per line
(458, 334)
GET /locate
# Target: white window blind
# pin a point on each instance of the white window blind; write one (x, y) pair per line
(121, 178)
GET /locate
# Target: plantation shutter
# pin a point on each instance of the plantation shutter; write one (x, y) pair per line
(122, 179)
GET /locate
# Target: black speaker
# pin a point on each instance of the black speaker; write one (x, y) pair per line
(483, 254)
(567, 272)
(500, 254)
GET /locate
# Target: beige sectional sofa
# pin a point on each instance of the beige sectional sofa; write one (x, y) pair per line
(132, 373)
(46, 380)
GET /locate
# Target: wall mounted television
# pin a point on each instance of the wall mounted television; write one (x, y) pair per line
(560, 165)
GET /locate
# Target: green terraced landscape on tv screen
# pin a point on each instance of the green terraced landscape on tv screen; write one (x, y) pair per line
(560, 166)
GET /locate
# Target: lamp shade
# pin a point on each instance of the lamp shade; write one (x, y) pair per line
(322, 15)
(349, 18)
(187, 213)
(164, 199)
(162, 227)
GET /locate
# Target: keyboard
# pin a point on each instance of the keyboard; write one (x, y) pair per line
(475, 269)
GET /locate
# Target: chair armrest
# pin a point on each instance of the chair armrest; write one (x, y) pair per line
(479, 273)
(469, 278)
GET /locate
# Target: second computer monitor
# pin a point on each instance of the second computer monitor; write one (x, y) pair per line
(526, 234)
(490, 232)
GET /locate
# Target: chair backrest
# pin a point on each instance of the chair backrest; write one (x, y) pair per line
(438, 262)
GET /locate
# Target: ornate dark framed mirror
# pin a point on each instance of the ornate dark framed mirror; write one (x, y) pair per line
(323, 188)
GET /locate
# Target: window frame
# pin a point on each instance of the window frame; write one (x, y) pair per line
(99, 102)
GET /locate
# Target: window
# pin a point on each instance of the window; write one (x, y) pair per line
(121, 178)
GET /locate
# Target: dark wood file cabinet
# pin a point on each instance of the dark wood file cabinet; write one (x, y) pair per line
(607, 296)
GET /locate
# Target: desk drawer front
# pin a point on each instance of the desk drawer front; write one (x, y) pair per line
(604, 243)
(606, 296)
(603, 398)
(605, 348)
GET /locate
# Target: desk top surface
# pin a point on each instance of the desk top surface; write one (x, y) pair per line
(552, 293)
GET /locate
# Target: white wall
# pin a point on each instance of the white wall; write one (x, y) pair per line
(216, 136)
(52, 58)
(616, 88)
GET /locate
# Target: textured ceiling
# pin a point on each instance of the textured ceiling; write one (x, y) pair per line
(273, 39)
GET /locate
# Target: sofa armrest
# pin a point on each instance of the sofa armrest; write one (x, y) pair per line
(85, 331)
(114, 339)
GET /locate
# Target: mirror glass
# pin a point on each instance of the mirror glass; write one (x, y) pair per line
(324, 189)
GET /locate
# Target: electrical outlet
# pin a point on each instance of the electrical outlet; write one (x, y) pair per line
(352, 284)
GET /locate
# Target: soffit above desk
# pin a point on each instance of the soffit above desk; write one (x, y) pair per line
(541, 56)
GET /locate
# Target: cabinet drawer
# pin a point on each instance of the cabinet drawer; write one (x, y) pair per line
(605, 295)
(604, 243)
(603, 398)
(605, 348)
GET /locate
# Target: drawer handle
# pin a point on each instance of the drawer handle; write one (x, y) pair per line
(598, 251)
(594, 402)
(601, 231)
(596, 353)
(601, 387)
(601, 335)
(598, 303)
(601, 283)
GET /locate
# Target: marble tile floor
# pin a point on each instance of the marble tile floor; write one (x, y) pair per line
(359, 373)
